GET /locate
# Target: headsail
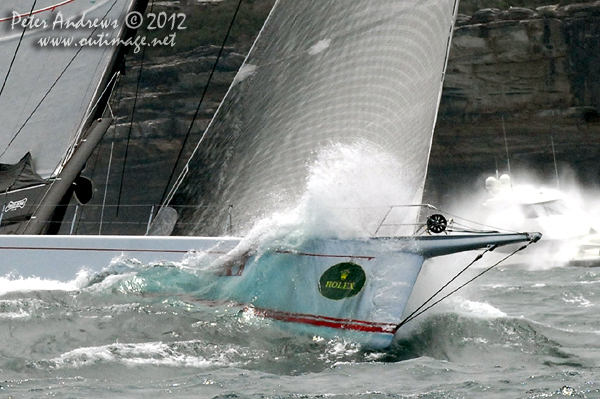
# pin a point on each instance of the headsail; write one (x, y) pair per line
(51, 83)
(358, 73)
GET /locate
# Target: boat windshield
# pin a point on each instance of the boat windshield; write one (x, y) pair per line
(549, 208)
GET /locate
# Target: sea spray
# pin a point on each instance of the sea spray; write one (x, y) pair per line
(458, 297)
(107, 344)
(566, 217)
(349, 190)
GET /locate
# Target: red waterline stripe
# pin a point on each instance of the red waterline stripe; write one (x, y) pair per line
(181, 251)
(326, 256)
(323, 321)
(176, 251)
(49, 8)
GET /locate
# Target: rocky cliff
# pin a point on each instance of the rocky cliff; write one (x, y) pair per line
(531, 76)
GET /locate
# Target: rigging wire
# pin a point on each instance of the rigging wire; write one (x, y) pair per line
(71, 149)
(98, 150)
(477, 223)
(16, 51)
(420, 310)
(43, 99)
(117, 106)
(112, 145)
(187, 136)
(137, 90)
(417, 311)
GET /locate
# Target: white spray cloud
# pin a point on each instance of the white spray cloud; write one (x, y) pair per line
(349, 189)
(564, 216)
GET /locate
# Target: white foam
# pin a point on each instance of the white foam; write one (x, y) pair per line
(11, 283)
(339, 349)
(146, 354)
(108, 282)
(475, 308)
(17, 309)
(578, 300)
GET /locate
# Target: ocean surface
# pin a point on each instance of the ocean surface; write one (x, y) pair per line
(516, 332)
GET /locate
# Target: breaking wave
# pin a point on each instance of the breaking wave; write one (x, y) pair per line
(150, 316)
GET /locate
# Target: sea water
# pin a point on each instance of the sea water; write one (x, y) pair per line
(143, 331)
(513, 333)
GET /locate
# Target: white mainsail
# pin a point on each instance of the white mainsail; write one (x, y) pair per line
(320, 72)
(53, 71)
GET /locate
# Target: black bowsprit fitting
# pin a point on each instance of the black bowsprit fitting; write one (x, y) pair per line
(436, 223)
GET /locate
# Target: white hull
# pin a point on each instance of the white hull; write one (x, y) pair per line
(352, 288)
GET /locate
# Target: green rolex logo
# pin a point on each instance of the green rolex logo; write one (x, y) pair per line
(343, 280)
